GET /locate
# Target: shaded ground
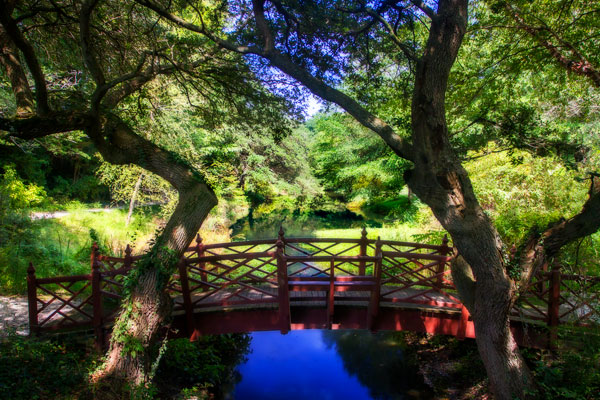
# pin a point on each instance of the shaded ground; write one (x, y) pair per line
(13, 315)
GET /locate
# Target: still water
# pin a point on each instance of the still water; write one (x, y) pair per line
(321, 364)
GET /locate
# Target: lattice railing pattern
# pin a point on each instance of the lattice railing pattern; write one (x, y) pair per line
(62, 302)
(420, 278)
(231, 279)
(579, 300)
(534, 302)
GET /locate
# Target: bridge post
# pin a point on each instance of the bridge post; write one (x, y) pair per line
(200, 253)
(283, 289)
(32, 299)
(128, 261)
(554, 303)
(445, 250)
(187, 299)
(331, 294)
(96, 278)
(464, 320)
(281, 236)
(373, 308)
(363, 252)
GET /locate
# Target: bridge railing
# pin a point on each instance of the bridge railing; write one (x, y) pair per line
(79, 301)
(258, 274)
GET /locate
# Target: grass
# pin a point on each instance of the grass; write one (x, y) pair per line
(61, 246)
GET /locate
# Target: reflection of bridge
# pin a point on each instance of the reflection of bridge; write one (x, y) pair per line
(299, 283)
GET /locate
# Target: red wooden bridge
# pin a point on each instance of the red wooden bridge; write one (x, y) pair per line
(308, 283)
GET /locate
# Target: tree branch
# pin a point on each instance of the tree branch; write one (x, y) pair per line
(199, 29)
(87, 50)
(258, 6)
(583, 224)
(420, 4)
(9, 58)
(540, 249)
(408, 52)
(40, 126)
(580, 65)
(399, 145)
(17, 38)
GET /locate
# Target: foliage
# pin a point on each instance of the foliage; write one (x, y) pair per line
(351, 162)
(16, 194)
(42, 369)
(530, 191)
(61, 246)
(122, 179)
(207, 363)
(572, 371)
(58, 369)
(506, 88)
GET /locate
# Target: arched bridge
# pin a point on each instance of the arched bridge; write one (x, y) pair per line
(308, 283)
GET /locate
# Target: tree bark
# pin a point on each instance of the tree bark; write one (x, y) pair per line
(148, 305)
(133, 197)
(9, 59)
(441, 182)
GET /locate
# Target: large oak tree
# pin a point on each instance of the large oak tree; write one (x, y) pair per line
(86, 66)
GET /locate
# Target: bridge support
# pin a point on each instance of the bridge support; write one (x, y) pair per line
(97, 299)
(283, 293)
(373, 308)
(554, 304)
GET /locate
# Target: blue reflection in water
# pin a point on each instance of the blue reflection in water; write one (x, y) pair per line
(299, 365)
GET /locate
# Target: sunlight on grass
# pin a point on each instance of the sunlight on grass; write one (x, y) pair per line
(61, 246)
(402, 232)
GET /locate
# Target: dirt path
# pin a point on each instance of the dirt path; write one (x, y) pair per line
(13, 315)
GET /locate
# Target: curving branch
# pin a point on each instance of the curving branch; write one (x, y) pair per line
(120, 145)
(408, 52)
(583, 224)
(420, 4)
(540, 249)
(16, 36)
(9, 59)
(258, 6)
(574, 62)
(398, 144)
(281, 61)
(199, 29)
(86, 47)
(48, 124)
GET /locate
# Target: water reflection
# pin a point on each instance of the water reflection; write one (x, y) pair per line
(315, 364)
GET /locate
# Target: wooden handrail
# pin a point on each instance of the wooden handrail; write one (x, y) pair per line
(329, 258)
(230, 257)
(417, 256)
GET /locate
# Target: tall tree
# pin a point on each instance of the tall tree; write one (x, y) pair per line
(292, 38)
(90, 63)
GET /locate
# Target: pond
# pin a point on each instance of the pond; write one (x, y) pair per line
(322, 364)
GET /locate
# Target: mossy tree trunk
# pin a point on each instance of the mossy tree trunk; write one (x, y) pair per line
(147, 306)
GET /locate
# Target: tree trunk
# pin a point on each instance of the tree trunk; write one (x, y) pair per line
(133, 196)
(148, 305)
(9, 59)
(440, 181)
